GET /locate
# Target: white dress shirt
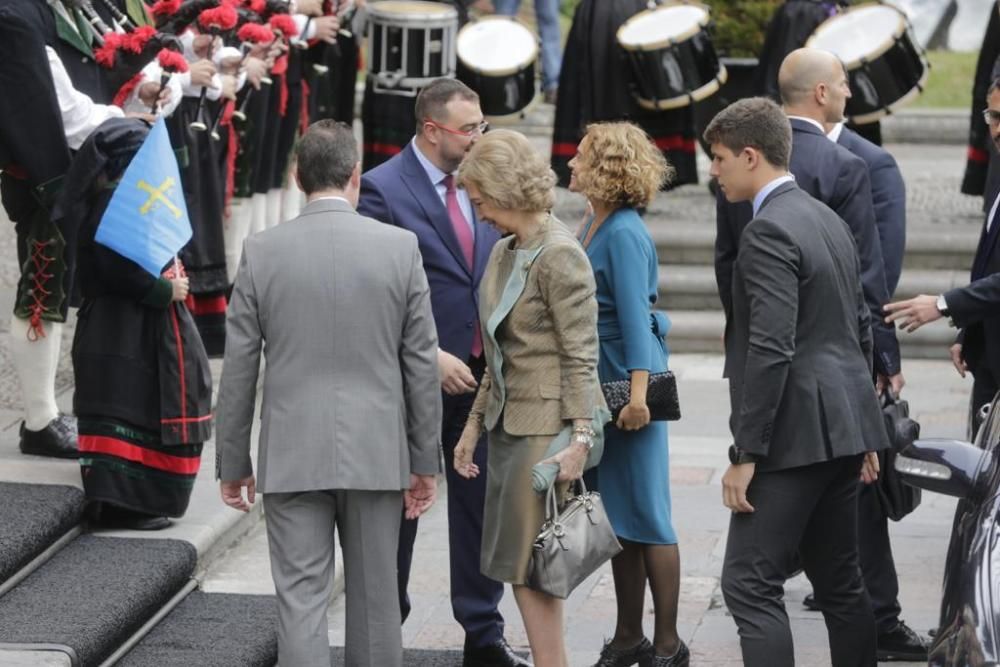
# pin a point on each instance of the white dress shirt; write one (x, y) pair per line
(80, 115)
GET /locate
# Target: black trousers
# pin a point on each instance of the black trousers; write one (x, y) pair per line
(808, 513)
(474, 596)
(877, 565)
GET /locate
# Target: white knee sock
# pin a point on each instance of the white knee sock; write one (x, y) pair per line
(258, 220)
(235, 231)
(36, 362)
(274, 206)
(291, 201)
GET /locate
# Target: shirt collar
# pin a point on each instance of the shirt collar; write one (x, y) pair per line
(334, 197)
(809, 120)
(834, 134)
(433, 173)
(758, 199)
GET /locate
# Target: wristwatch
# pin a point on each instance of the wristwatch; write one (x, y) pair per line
(738, 456)
(942, 306)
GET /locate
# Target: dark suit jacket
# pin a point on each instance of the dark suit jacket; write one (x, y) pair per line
(840, 180)
(398, 192)
(800, 343)
(889, 198)
(980, 339)
(977, 301)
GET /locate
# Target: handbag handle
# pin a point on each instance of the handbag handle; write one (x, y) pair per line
(552, 506)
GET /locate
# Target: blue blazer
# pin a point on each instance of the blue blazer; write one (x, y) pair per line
(398, 192)
(889, 198)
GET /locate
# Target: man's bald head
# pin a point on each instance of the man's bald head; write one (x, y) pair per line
(813, 83)
(802, 70)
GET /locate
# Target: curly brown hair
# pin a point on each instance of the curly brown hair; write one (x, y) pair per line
(509, 172)
(621, 165)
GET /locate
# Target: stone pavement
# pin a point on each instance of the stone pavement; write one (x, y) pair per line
(938, 399)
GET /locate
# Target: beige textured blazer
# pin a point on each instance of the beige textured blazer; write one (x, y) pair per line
(539, 319)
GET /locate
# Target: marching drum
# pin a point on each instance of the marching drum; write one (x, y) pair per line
(496, 58)
(411, 43)
(886, 68)
(673, 61)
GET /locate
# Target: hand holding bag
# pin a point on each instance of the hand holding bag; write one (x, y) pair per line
(661, 396)
(572, 544)
(896, 497)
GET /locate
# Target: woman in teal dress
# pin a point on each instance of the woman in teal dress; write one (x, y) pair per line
(619, 170)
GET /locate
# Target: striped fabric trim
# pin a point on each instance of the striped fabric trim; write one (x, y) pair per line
(134, 471)
(95, 444)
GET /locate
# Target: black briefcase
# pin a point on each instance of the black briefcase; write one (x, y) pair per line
(896, 496)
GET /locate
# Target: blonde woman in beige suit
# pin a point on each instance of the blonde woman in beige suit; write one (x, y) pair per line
(539, 320)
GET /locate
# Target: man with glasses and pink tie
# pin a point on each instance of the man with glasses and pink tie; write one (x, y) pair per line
(415, 190)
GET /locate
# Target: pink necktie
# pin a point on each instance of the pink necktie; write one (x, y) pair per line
(464, 234)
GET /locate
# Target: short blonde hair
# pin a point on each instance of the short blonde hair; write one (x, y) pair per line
(623, 165)
(509, 172)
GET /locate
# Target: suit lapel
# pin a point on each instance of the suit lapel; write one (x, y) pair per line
(415, 178)
(987, 244)
(69, 31)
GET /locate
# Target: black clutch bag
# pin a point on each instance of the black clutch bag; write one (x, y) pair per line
(661, 396)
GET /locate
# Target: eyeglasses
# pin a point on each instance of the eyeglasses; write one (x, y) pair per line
(482, 128)
(991, 117)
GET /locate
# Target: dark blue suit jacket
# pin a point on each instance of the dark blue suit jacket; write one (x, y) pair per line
(889, 197)
(398, 192)
(980, 333)
(831, 174)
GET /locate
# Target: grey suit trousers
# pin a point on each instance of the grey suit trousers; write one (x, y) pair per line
(300, 529)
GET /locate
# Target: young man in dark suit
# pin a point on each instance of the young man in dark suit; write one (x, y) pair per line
(832, 175)
(415, 190)
(805, 418)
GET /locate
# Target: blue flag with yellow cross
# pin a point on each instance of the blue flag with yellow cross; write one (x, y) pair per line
(147, 219)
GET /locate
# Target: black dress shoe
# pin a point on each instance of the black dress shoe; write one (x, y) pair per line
(641, 653)
(809, 602)
(110, 517)
(57, 439)
(902, 644)
(498, 654)
(680, 658)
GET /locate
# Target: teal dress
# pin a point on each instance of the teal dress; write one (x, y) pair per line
(634, 473)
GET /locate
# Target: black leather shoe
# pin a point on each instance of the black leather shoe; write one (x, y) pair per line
(680, 658)
(110, 517)
(498, 654)
(57, 440)
(809, 602)
(641, 653)
(902, 644)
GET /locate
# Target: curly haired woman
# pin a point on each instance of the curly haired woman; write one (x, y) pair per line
(619, 170)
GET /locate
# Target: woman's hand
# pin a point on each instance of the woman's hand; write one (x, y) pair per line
(633, 417)
(465, 449)
(571, 461)
(181, 287)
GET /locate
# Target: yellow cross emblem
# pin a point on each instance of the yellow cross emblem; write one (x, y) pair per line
(158, 195)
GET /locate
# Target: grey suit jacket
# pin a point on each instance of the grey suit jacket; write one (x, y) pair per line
(340, 305)
(800, 386)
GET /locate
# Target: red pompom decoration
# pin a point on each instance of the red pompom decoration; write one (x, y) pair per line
(165, 7)
(257, 6)
(171, 61)
(136, 40)
(255, 33)
(219, 19)
(284, 24)
(107, 53)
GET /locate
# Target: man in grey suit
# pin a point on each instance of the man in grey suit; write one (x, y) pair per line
(350, 420)
(805, 417)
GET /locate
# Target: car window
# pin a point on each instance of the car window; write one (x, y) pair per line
(989, 432)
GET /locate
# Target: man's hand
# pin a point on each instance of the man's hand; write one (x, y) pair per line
(309, 7)
(869, 468)
(735, 483)
(141, 115)
(232, 493)
(895, 382)
(326, 28)
(456, 378)
(201, 72)
(150, 92)
(420, 496)
(913, 313)
(957, 360)
(228, 87)
(181, 287)
(256, 70)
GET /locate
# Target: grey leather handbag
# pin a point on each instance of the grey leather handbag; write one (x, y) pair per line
(572, 544)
